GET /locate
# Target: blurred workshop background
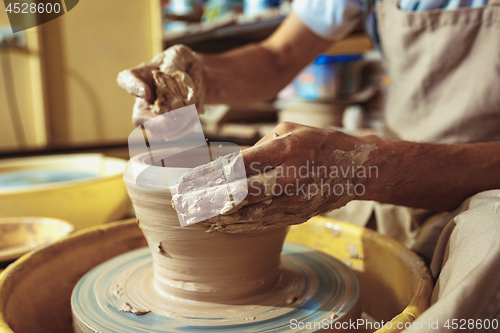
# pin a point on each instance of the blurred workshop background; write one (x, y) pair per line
(58, 80)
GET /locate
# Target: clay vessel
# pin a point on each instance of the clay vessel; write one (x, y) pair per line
(188, 262)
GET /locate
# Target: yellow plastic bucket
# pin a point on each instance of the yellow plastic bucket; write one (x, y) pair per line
(83, 203)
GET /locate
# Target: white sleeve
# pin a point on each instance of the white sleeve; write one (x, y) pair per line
(330, 19)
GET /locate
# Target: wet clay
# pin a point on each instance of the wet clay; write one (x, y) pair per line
(313, 287)
(140, 294)
(189, 279)
(201, 182)
(190, 263)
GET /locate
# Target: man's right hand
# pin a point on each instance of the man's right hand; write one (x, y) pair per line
(292, 174)
(171, 80)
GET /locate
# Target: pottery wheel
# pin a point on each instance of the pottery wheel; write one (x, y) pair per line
(314, 287)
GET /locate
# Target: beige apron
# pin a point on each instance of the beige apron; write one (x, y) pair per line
(445, 88)
(444, 67)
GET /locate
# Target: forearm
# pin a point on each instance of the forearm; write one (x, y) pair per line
(259, 71)
(243, 76)
(432, 176)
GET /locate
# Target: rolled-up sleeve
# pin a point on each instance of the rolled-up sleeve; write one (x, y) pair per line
(330, 19)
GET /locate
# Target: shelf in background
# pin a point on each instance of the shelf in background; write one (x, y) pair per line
(227, 33)
(236, 30)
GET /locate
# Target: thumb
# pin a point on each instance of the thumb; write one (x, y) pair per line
(137, 83)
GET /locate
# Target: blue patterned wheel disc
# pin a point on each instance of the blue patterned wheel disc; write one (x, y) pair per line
(315, 292)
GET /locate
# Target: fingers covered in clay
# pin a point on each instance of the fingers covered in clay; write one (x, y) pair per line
(223, 186)
(171, 80)
(142, 112)
(294, 173)
(139, 81)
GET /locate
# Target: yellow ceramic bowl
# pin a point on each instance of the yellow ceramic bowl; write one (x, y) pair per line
(35, 291)
(396, 285)
(84, 202)
(19, 235)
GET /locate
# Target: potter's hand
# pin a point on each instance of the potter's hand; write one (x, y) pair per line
(293, 174)
(171, 80)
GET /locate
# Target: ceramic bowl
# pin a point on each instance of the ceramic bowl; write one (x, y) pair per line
(19, 235)
(83, 189)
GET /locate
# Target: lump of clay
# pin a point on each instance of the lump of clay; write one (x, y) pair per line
(171, 80)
